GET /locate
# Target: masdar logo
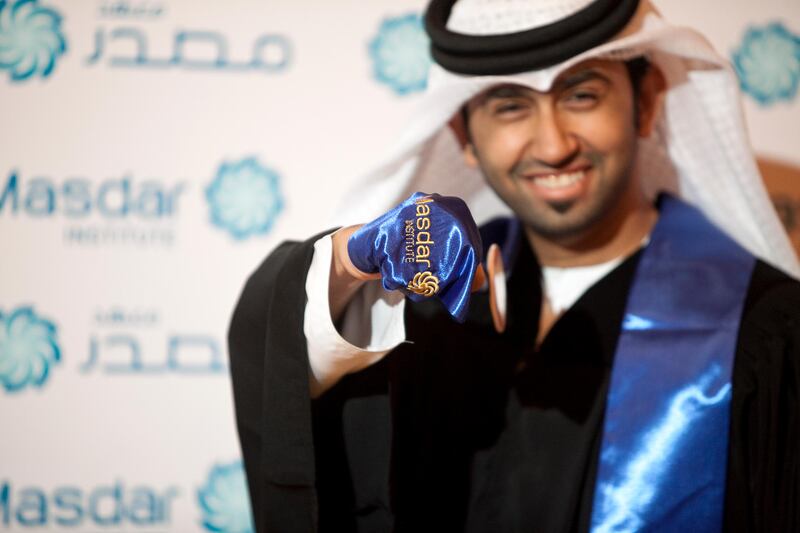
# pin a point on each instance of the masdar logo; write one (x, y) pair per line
(224, 500)
(400, 54)
(244, 198)
(28, 349)
(31, 40)
(768, 63)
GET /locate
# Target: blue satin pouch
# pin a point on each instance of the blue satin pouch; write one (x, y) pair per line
(663, 457)
(428, 246)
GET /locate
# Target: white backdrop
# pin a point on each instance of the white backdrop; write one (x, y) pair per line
(152, 152)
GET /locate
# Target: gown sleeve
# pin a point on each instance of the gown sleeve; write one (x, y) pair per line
(299, 452)
(763, 488)
(269, 372)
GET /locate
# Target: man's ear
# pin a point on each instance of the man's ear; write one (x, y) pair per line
(651, 99)
(459, 128)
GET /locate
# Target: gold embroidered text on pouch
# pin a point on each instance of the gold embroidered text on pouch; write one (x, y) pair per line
(418, 248)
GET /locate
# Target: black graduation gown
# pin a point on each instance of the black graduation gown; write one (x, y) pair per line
(468, 430)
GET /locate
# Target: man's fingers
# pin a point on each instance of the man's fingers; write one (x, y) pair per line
(480, 279)
(497, 287)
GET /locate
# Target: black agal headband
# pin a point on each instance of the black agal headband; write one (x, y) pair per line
(533, 49)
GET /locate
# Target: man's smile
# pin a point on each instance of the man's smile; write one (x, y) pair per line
(558, 186)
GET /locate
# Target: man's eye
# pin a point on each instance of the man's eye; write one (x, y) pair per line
(582, 99)
(509, 107)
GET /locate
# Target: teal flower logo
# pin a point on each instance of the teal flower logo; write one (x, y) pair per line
(31, 40)
(28, 348)
(244, 198)
(224, 500)
(400, 54)
(768, 63)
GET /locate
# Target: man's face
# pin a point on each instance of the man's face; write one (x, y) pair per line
(561, 160)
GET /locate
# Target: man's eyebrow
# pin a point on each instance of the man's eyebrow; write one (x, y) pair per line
(580, 77)
(506, 91)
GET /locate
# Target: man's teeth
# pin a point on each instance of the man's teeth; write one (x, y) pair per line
(557, 181)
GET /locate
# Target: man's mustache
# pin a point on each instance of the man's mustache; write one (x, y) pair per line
(578, 161)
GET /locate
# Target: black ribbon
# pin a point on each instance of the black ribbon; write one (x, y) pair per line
(527, 50)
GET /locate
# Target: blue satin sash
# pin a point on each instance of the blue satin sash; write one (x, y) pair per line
(664, 451)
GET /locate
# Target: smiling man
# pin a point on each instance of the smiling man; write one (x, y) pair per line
(645, 376)
(563, 160)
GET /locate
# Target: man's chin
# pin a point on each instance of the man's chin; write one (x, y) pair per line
(564, 222)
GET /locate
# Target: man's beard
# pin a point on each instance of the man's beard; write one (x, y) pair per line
(561, 206)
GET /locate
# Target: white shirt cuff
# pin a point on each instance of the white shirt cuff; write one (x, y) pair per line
(372, 324)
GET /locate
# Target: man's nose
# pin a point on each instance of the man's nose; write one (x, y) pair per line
(552, 143)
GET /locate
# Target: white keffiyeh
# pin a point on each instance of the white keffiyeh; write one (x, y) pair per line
(699, 150)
